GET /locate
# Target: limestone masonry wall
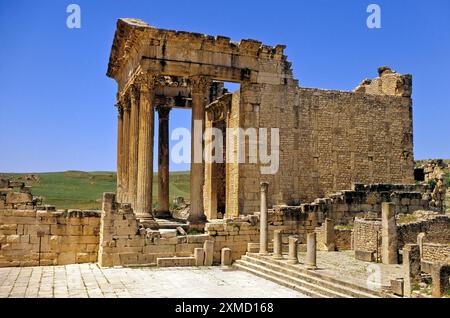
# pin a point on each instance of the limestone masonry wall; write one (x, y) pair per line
(36, 237)
(367, 235)
(434, 252)
(436, 229)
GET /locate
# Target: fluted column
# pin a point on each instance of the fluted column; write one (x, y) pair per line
(163, 162)
(143, 208)
(119, 150)
(133, 143)
(200, 89)
(125, 149)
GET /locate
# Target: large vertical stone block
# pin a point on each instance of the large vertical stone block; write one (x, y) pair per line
(208, 247)
(226, 256)
(199, 255)
(389, 241)
(411, 268)
(440, 275)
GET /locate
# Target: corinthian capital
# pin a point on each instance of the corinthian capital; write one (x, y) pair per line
(200, 84)
(145, 81)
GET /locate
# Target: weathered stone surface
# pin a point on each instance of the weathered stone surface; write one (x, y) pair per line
(440, 274)
(411, 268)
(226, 256)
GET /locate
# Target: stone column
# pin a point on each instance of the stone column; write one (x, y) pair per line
(133, 143)
(329, 235)
(200, 88)
(411, 267)
(119, 151)
(125, 148)
(263, 222)
(277, 244)
(311, 251)
(293, 250)
(389, 243)
(163, 162)
(145, 151)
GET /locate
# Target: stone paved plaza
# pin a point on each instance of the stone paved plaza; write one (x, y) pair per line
(88, 280)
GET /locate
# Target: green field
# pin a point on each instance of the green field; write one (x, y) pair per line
(83, 190)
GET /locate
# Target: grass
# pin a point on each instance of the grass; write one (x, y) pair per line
(83, 190)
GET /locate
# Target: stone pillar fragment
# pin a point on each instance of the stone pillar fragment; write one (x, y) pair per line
(389, 243)
(311, 251)
(163, 162)
(225, 256)
(208, 247)
(293, 250)
(263, 222)
(145, 151)
(411, 268)
(420, 241)
(277, 244)
(133, 143)
(119, 151)
(199, 255)
(329, 235)
(200, 88)
(440, 275)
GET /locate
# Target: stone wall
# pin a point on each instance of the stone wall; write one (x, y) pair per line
(367, 235)
(435, 227)
(343, 239)
(37, 237)
(365, 201)
(435, 252)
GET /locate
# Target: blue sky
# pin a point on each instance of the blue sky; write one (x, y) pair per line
(56, 103)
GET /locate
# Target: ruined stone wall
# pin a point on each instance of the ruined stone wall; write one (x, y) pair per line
(434, 252)
(436, 229)
(367, 235)
(343, 239)
(328, 139)
(35, 237)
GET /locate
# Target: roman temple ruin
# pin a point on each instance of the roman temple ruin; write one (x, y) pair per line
(309, 188)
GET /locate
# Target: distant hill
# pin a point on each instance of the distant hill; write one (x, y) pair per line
(83, 190)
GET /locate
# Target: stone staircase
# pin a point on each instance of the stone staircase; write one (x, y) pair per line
(308, 282)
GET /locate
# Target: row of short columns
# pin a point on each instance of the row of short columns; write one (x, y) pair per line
(311, 248)
(135, 134)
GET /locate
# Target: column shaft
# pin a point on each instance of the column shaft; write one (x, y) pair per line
(125, 151)
(163, 162)
(263, 223)
(200, 87)
(145, 153)
(119, 151)
(133, 143)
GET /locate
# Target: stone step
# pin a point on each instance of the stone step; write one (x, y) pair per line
(306, 277)
(294, 281)
(239, 264)
(321, 275)
(188, 261)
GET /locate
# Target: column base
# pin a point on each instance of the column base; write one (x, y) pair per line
(148, 222)
(278, 256)
(311, 267)
(292, 261)
(199, 227)
(163, 214)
